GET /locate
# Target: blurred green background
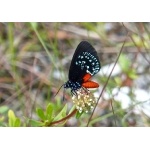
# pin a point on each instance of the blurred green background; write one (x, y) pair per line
(34, 63)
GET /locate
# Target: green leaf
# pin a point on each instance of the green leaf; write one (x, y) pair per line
(3, 109)
(118, 80)
(17, 122)
(49, 112)
(40, 113)
(132, 74)
(78, 114)
(35, 123)
(124, 63)
(137, 40)
(34, 25)
(11, 118)
(61, 114)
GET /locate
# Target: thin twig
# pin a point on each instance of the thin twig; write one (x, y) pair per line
(108, 79)
(63, 119)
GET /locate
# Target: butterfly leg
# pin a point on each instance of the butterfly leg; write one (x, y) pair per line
(73, 92)
(85, 89)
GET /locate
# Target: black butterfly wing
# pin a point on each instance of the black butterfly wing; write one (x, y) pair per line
(85, 60)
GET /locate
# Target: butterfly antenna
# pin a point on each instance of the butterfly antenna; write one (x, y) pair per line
(59, 90)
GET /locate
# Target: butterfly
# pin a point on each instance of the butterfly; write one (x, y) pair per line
(85, 64)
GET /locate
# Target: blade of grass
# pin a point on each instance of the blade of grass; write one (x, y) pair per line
(43, 44)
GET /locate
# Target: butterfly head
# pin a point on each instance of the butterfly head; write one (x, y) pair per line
(74, 86)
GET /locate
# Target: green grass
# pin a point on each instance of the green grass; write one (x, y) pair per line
(30, 54)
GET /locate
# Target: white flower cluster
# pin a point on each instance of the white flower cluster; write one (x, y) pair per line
(84, 101)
